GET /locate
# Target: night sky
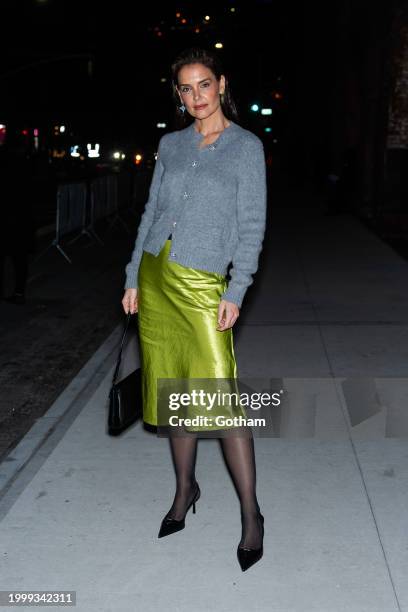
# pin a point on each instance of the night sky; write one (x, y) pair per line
(98, 68)
(99, 64)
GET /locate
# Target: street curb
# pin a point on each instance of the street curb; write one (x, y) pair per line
(69, 404)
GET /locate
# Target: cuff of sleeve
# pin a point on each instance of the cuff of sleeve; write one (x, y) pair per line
(132, 271)
(234, 294)
(131, 280)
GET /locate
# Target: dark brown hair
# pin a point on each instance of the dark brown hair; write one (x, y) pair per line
(200, 55)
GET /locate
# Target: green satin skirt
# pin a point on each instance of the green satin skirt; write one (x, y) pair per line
(177, 322)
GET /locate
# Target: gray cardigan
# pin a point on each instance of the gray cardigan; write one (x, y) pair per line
(213, 202)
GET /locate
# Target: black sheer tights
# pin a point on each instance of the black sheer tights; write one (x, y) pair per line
(184, 453)
(240, 459)
(239, 455)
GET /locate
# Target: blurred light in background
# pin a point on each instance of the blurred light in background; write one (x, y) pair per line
(3, 132)
(36, 141)
(266, 111)
(93, 151)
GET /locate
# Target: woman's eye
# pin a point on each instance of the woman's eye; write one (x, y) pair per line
(187, 89)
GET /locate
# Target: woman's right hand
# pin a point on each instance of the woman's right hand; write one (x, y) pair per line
(130, 301)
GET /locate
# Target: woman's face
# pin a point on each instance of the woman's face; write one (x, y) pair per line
(199, 90)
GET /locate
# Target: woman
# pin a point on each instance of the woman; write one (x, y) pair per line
(206, 209)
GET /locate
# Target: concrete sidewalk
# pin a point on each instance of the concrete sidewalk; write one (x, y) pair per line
(81, 510)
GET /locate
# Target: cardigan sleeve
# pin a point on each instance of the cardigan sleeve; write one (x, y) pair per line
(251, 218)
(146, 221)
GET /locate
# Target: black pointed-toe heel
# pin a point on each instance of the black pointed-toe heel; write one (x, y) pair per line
(249, 556)
(170, 525)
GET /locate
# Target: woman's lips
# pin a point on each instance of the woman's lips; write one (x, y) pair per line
(200, 106)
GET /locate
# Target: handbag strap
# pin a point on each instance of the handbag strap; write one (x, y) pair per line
(129, 314)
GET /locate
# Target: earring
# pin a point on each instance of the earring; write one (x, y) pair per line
(222, 96)
(182, 108)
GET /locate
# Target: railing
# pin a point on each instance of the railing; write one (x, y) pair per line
(81, 205)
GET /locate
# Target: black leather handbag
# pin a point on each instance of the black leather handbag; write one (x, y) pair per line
(125, 396)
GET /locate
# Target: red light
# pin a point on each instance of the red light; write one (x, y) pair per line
(24, 132)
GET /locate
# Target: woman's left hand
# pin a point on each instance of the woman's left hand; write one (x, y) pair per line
(228, 313)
